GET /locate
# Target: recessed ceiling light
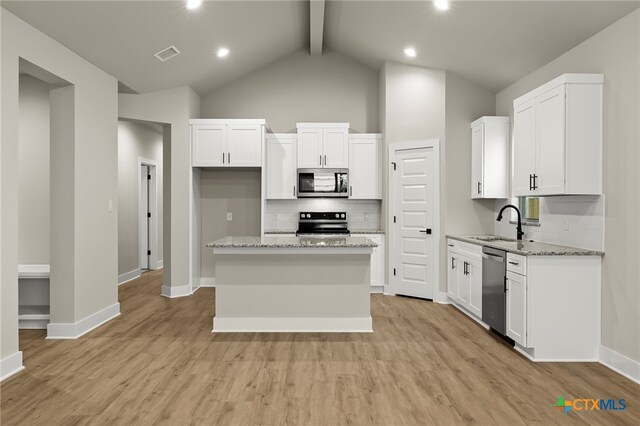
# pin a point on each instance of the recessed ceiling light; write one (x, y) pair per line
(222, 52)
(194, 4)
(441, 4)
(410, 52)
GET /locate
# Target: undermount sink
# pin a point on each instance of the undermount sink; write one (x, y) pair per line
(493, 238)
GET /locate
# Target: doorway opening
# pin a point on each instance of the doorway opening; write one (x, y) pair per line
(140, 197)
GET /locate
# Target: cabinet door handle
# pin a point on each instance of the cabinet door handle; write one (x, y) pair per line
(223, 158)
(325, 159)
(294, 190)
(350, 191)
(530, 184)
(505, 284)
(464, 268)
(228, 157)
(478, 187)
(321, 160)
(453, 259)
(535, 182)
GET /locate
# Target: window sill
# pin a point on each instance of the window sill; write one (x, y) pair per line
(525, 223)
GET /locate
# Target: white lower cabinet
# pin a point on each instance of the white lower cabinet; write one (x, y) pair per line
(377, 261)
(464, 275)
(517, 307)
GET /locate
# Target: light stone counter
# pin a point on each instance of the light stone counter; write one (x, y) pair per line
(525, 248)
(292, 242)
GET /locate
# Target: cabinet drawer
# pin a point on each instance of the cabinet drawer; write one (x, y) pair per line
(452, 245)
(517, 263)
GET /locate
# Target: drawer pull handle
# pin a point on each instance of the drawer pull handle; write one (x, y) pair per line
(514, 263)
(450, 245)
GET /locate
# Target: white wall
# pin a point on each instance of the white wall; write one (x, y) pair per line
(615, 51)
(228, 191)
(33, 169)
(93, 257)
(136, 140)
(173, 108)
(300, 87)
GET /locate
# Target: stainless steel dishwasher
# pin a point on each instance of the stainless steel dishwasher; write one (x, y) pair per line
(494, 298)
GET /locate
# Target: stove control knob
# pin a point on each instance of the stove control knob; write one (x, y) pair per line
(337, 216)
(301, 215)
(308, 216)
(343, 215)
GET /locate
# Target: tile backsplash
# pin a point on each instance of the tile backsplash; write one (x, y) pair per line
(283, 214)
(576, 220)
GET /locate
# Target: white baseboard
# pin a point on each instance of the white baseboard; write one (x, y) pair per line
(159, 264)
(441, 297)
(207, 281)
(619, 363)
(128, 276)
(377, 289)
(389, 290)
(177, 291)
(33, 322)
(469, 314)
(292, 325)
(11, 365)
(75, 330)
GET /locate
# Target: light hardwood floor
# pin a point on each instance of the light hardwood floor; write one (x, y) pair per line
(159, 363)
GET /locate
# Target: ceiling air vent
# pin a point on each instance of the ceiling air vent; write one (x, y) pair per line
(167, 53)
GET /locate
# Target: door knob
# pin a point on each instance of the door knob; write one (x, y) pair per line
(426, 231)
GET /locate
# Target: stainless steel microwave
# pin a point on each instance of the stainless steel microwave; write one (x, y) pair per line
(323, 183)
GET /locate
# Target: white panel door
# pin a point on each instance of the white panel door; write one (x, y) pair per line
(413, 209)
(517, 307)
(310, 148)
(208, 144)
(335, 148)
(365, 177)
(524, 148)
(477, 161)
(281, 167)
(244, 145)
(474, 274)
(143, 218)
(550, 143)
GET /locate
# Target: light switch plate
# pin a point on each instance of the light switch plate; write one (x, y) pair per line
(229, 216)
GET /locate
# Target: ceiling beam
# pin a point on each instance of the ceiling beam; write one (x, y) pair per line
(316, 26)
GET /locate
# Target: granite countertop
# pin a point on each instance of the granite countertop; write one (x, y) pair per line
(525, 248)
(353, 231)
(281, 231)
(366, 231)
(290, 242)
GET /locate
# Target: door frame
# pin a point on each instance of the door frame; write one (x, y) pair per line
(406, 146)
(153, 209)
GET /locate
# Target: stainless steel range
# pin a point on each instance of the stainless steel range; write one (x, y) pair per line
(322, 223)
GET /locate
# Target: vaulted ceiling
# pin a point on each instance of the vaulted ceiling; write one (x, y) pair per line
(491, 43)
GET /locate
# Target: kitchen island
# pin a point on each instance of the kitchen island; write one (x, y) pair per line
(292, 284)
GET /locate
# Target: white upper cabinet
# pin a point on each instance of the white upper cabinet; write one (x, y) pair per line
(323, 145)
(490, 157)
(365, 166)
(209, 143)
(557, 137)
(281, 166)
(227, 143)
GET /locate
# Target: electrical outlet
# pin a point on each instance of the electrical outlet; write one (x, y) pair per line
(229, 216)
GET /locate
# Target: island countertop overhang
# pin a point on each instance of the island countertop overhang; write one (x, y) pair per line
(297, 245)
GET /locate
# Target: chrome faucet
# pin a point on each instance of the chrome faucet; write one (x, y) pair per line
(519, 227)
